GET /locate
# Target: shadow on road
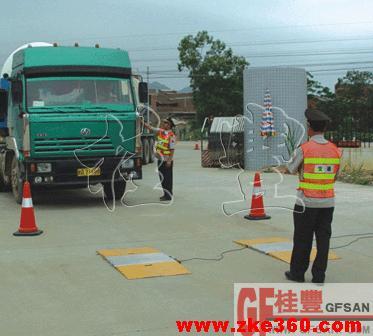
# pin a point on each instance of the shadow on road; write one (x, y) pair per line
(66, 198)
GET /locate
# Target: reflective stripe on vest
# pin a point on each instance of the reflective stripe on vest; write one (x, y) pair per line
(316, 186)
(320, 166)
(313, 176)
(163, 142)
(316, 160)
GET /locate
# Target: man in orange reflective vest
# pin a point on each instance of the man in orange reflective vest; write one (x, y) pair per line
(165, 148)
(317, 162)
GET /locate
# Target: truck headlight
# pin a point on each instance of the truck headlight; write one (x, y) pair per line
(44, 167)
(128, 163)
(38, 179)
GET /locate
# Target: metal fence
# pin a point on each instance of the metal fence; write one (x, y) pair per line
(353, 132)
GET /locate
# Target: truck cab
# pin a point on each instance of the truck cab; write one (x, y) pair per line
(71, 120)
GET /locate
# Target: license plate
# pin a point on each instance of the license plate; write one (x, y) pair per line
(88, 172)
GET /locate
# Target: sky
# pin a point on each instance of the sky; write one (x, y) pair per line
(326, 37)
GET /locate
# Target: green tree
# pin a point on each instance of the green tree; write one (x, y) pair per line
(321, 97)
(356, 89)
(316, 90)
(351, 108)
(216, 75)
(355, 85)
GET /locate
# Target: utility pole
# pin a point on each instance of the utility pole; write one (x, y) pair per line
(147, 102)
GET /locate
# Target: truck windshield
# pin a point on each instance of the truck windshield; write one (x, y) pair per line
(44, 92)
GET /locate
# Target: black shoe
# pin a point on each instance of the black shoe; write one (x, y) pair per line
(291, 277)
(318, 281)
(165, 198)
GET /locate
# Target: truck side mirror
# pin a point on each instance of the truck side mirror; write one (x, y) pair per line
(3, 103)
(143, 92)
(16, 89)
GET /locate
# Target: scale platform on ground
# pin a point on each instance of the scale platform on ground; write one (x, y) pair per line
(142, 262)
(277, 247)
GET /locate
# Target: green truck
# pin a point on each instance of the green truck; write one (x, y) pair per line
(71, 120)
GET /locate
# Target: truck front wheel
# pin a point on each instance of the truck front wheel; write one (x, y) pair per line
(4, 178)
(117, 193)
(4, 182)
(146, 150)
(16, 180)
(151, 150)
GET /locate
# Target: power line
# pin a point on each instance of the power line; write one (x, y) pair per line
(175, 71)
(321, 53)
(274, 55)
(215, 31)
(151, 34)
(319, 72)
(341, 69)
(327, 64)
(175, 74)
(338, 72)
(224, 31)
(264, 43)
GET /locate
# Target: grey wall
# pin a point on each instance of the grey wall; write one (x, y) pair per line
(288, 88)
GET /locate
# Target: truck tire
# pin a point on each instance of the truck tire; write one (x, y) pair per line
(145, 151)
(4, 179)
(151, 150)
(2, 183)
(16, 180)
(119, 189)
(5, 184)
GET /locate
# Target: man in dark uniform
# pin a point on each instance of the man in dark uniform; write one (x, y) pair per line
(165, 148)
(317, 162)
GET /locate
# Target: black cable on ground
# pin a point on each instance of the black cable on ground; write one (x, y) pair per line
(353, 235)
(360, 236)
(221, 256)
(351, 242)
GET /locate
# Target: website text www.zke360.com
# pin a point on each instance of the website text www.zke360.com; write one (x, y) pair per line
(278, 325)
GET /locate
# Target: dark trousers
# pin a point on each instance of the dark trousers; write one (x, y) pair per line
(307, 222)
(166, 177)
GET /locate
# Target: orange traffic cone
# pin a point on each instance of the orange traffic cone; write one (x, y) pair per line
(257, 206)
(27, 226)
(196, 146)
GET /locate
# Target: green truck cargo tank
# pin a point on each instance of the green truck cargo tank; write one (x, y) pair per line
(71, 117)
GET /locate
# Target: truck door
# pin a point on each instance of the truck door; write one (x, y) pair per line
(3, 107)
(15, 122)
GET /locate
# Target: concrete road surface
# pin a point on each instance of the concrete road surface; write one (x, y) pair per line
(55, 284)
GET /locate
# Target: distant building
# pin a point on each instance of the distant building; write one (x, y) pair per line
(179, 106)
(172, 104)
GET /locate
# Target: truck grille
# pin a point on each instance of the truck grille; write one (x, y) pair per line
(89, 145)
